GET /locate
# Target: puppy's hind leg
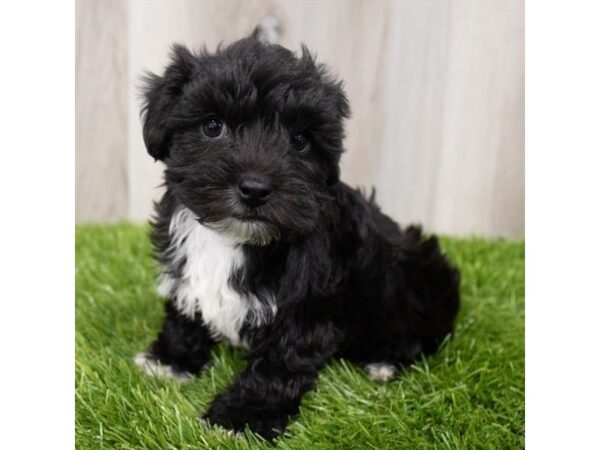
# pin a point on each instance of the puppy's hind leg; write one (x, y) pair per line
(381, 371)
(181, 348)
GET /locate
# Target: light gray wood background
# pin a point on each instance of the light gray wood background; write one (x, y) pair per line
(436, 89)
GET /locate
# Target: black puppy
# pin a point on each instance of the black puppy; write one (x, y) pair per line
(264, 247)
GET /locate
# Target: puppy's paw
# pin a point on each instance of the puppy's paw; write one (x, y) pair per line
(381, 371)
(235, 418)
(228, 432)
(153, 367)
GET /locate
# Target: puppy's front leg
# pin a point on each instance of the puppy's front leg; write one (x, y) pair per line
(181, 348)
(283, 364)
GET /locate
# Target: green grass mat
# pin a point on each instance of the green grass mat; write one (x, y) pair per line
(469, 395)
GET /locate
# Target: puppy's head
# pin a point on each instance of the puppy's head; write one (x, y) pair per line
(251, 136)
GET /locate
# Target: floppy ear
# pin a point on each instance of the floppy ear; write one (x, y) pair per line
(338, 112)
(333, 88)
(342, 111)
(161, 94)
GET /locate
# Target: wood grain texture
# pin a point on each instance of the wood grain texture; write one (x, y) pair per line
(436, 90)
(101, 171)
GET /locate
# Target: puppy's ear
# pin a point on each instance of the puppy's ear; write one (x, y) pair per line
(342, 111)
(161, 94)
(342, 104)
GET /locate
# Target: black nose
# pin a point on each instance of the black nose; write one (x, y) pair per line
(254, 189)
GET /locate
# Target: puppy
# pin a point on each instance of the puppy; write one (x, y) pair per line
(262, 246)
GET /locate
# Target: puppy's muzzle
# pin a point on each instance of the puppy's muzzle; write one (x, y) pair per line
(254, 190)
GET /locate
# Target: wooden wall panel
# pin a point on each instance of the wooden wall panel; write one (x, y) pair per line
(101, 150)
(436, 90)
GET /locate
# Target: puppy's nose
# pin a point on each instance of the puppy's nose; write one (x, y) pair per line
(254, 189)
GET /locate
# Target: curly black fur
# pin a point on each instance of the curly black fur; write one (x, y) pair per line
(347, 281)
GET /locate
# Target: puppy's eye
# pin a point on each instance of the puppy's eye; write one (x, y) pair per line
(213, 128)
(300, 142)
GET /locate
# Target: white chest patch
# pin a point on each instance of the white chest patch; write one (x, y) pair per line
(204, 286)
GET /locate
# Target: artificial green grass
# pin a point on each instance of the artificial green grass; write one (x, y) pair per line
(469, 395)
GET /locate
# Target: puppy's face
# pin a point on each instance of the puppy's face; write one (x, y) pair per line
(251, 137)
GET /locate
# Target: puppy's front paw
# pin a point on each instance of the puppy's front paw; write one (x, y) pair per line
(266, 423)
(153, 367)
